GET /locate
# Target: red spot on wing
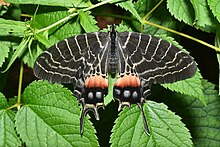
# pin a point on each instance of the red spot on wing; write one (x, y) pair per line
(128, 80)
(96, 82)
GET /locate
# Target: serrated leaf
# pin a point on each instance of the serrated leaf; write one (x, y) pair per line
(203, 121)
(3, 102)
(50, 117)
(192, 87)
(203, 16)
(63, 3)
(215, 7)
(18, 53)
(12, 26)
(182, 10)
(166, 129)
(87, 21)
(129, 6)
(4, 50)
(8, 136)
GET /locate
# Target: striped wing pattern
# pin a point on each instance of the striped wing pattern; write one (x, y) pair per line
(71, 59)
(139, 60)
(156, 61)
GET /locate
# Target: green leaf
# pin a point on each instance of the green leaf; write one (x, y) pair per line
(215, 7)
(63, 3)
(203, 16)
(18, 53)
(50, 117)
(3, 102)
(182, 10)
(4, 50)
(166, 129)
(203, 121)
(8, 136)
(192, 87)
(12, 26)
(129, 6)
(87, 21)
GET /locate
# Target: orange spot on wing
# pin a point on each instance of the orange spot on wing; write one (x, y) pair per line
(96, 82)
(128, 80)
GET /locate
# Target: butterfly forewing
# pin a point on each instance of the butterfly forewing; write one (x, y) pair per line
(71, 58)
(155, 60)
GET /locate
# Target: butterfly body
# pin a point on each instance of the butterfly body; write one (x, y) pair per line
(136, 60)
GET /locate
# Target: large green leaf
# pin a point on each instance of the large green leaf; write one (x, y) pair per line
(166, 129)
(50, 117)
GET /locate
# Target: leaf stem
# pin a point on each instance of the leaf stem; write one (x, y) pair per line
(73, 15)
(20, 85)
(184, 35)
(152, 10)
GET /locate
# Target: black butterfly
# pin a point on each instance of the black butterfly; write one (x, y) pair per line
(136, 60)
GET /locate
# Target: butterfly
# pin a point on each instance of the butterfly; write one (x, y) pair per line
(136, 60)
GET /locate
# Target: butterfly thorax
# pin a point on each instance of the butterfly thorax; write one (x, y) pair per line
(112, 54)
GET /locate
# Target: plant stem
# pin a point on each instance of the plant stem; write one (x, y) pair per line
(182, 34)
(20, 85)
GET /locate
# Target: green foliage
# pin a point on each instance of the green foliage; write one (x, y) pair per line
(196, 13)
(165, 127)
(49, 115)
(203, 121)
